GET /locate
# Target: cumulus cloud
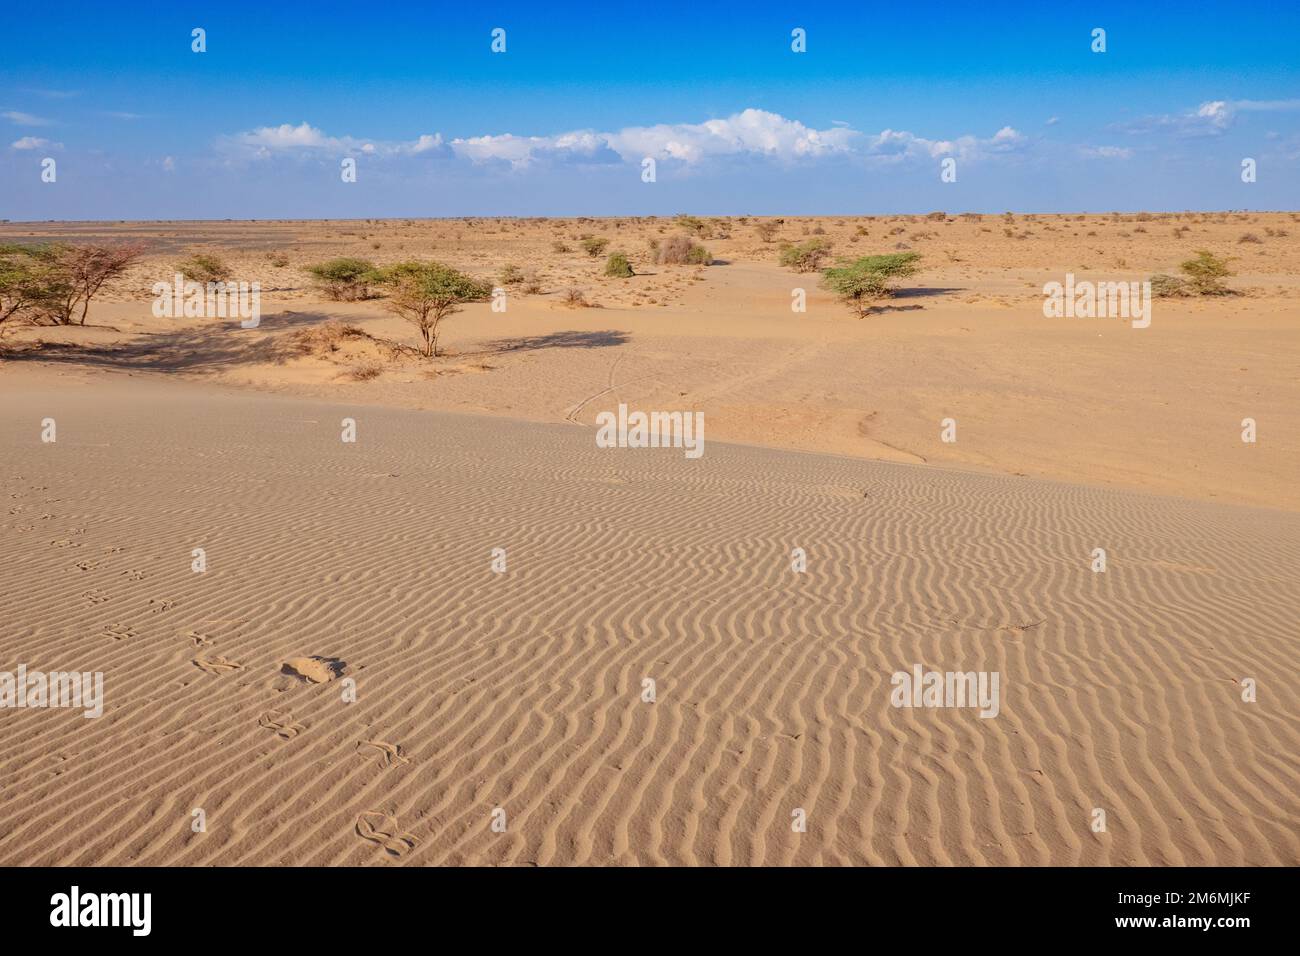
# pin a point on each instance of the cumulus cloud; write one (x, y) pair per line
(751, 133)
(267, 141)
(896, 145)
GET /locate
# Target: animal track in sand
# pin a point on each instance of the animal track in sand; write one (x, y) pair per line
(158, 605)
(199, 640)
(87, 565)
(383, 829)
(313, 670)
(134, 575)
(282, 722)
(216, 665)
(95, 596)
(119, 632)
(389, 754)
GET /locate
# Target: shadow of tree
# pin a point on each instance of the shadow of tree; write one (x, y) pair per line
(556, 340)
(221, 343)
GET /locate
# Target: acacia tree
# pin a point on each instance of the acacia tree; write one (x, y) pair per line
(23, 280)
(73, 275)
(860, 283)
(425, 293)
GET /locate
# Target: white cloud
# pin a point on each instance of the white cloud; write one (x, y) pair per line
(897, 145)
(24, 119)
(34, 142)
(751, 133)
(1106, 152)
(1211, 118)
(287, 138)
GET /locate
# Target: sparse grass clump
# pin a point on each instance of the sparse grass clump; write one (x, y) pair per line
(345, 279)
(278, 259)
(205, 268)
(1249, 237)
(1169, 287)
(617, 266)
(594, 247)
(511, 275)
(805, 256)
(575, 299)
(861, 282)
(767, 230)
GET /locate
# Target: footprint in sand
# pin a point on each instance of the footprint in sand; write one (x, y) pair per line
(95, 596)
(134, 575)
(216, 665)
(381, 828)
(119, 632)
(282, 722)
(86, 565)
(158, 605)
(313, 670)
(389, 754)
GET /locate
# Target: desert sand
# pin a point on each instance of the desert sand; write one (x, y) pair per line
(365, 569)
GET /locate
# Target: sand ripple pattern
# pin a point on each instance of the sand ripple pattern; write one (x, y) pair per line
(476, 691)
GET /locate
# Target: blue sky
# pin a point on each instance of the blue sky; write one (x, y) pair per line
(141, 127)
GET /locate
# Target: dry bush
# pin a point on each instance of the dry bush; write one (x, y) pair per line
(1249, 237)
(323, 339)
(681, 250)
(365, 370)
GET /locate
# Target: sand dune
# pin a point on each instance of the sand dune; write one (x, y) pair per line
(369, 566)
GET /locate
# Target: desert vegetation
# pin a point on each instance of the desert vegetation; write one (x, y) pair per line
(617, 266)
(54, 283)
(1204, 275)
(344, 279)
(682, 250)
(204, 268)
(425, 293)
(860, 283)
(805, 256)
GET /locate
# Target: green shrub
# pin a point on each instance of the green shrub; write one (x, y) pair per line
(204, 268)
(594, 247)
(617, 266)
(1206, 273)
(344, 279)
(859, 283)
(805, 256)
